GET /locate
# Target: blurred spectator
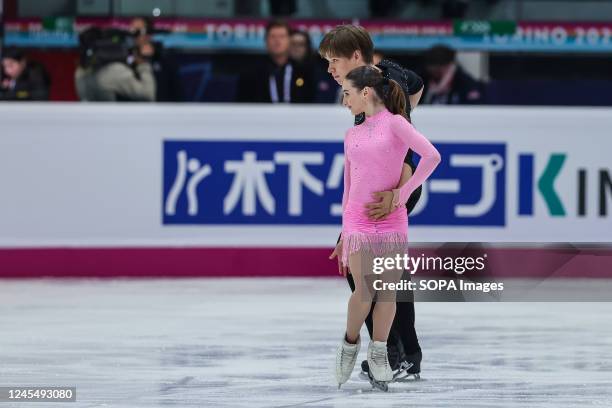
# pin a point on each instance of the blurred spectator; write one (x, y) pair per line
(23, 80)
(115, 65)
(279, 79)
(446, 83)
(300, 47)
(300, 51)
(377, 57)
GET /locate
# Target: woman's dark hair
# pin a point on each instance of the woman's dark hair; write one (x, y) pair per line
(387, 90)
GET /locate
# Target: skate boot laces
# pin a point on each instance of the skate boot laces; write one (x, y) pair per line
(379, 356)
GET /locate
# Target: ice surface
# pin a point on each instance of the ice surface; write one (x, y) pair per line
(271, 343)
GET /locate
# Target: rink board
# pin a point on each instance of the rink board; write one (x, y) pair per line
(503, 262)
(91, 189)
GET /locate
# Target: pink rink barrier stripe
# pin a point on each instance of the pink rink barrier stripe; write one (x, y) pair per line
(282, 262)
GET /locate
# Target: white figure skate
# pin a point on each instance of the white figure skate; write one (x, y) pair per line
(346, 357)
(380, 369)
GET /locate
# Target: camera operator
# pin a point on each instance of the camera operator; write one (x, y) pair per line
(115, 65)
(163, 61)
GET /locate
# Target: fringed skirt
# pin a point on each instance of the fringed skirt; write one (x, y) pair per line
(383, 237)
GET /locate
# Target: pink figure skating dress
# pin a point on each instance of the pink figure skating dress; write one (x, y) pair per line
(374, 154)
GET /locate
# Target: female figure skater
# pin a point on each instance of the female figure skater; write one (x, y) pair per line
(374, 156)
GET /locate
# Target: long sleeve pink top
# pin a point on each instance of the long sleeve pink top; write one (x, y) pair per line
(374, 158)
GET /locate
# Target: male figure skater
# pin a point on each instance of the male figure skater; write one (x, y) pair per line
(347, 47)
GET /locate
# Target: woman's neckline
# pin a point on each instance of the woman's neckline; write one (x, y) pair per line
(377, 116)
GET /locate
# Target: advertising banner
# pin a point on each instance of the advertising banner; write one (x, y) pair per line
(388, 35)
(255, 175)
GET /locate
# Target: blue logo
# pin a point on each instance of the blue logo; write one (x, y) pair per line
(252, 182)
(242, 182)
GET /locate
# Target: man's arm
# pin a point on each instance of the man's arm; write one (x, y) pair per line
(415, 98)
(430, 157)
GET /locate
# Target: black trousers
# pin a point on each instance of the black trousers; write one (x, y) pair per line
(402, 333)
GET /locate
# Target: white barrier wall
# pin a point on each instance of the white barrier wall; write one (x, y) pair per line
(228, 175)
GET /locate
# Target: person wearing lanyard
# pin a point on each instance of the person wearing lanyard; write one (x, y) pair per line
(280, 79)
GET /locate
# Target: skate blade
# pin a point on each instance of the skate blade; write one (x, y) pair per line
(402, 372)
(408, 378)
(400, 378)
(379, 385)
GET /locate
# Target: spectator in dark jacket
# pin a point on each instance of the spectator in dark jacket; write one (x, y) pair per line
(23, 80)
(279, 79)
(446, 83)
